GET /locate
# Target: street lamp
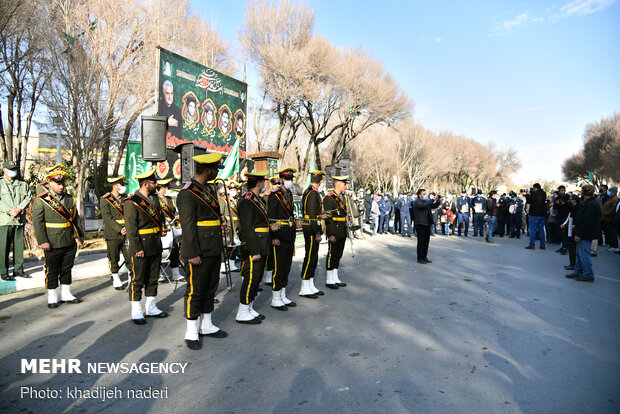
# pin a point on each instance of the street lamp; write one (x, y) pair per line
(57, 121)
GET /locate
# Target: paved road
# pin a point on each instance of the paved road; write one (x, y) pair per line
(484, 329)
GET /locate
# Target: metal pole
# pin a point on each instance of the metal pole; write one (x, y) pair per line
(58, 124)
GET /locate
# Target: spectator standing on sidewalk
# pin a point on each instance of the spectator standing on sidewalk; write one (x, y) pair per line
(609, 211)
(375, 212)
(536, 198)
(587, 227)
(492, 212)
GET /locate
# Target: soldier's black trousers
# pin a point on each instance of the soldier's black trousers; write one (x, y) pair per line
(58, 264)
(145, 272)
(269, 263)
(114, 254)
(175, 259)
(334, 253)
(282, 259)
(202, 283)
(252, 273)
(312, 256)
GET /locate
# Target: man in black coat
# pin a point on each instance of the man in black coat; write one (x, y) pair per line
(586, 229)
(537, 199)
(423, 219)
(367, 205)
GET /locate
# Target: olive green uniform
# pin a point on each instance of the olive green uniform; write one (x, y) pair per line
(254, 233)
(169, 211)
(113, 222)
(200, 216)
(336, 226)
(280, 208)
(50, 227)
(15, 194)
(311, 207)
(143, 230)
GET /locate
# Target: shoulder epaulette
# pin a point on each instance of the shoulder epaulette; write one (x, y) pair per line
(248, 195)
(43, 194)
(186, 186)
(106, 195)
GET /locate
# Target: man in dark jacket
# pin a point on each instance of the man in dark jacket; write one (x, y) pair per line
(423, 219)
(368, 205)
(586, 229)
(536, 198)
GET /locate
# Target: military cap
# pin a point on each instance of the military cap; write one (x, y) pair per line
(120, 179)
(258, 174)
(317, 172)
(56, 167)
(57, 176)
(148, 175)
(210, 158)
(9, 165)
(342, 178)
(164, 182)
(287, 172)
(232, 184)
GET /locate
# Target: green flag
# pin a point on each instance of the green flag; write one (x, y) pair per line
(231, 165)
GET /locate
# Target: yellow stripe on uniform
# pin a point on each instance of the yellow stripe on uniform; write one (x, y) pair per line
(57, 225)
(149, 231)
(339, 218)
(46, 271)
(247, 294)
(261, 229)
(309, 258)
(275, 267)
(133, 276)
(208, 223)
(329, 255)
(191, 287)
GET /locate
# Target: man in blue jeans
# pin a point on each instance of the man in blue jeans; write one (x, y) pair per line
(587, 227)
(492, 212)
(537, 199)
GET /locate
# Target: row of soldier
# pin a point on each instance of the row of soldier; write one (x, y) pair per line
(135, 224)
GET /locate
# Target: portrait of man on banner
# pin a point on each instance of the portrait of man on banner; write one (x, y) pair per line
(239, 126)
(172, 112)
(190, 111)
(225, 124)
(209, 118)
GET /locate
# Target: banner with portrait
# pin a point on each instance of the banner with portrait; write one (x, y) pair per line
(202, 105)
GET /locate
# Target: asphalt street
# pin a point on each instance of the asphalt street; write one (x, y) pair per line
(483, 329)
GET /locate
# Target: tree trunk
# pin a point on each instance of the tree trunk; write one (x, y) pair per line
(3, 136)
(9, 126)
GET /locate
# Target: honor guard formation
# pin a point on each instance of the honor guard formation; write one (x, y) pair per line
(215, 226)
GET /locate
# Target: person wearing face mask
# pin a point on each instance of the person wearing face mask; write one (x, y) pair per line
(169, 211)
(111, 205)
(143, 224)
(202, 225)
(55, 222)
(254, 233)
(15, 196)
(281, 209)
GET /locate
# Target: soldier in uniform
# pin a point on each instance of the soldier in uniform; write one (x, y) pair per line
(269, 263)
(254, 233)
(111, 206)
(479, 205)
(143, 224)
(312, 211)
(55, 222)
(280, 209)
(169, 211)
(202, 224)
(14, 198)
(336, 229)
(232, 225)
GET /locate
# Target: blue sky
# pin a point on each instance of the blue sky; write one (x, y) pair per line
(526, 74)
